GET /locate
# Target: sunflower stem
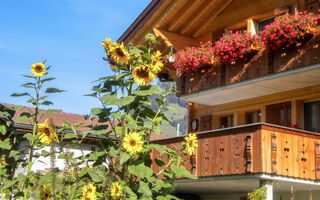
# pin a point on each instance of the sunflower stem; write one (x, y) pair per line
(26, 186)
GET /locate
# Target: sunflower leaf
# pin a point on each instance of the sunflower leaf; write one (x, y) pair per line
(94, 176)
(124, 157)
(47, 79)
(140, 171)
(144, 189)
(122, 75)
(22, 118)
(30, 137)
(69, 136)
(53, 90)
(112, 99)
(46, 103)
(132, 195)
(19, 94)
(181, 171)
(28, 85)
(49, 111)
(5, 144)
(148, 90)
(28, 76)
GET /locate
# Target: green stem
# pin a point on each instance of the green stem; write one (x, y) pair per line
(35, 121)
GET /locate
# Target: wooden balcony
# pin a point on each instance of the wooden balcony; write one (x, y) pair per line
(259, 148)
(254, 65)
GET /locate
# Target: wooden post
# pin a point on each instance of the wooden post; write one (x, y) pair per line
(297, 113)
(310, 194)
(291, 193)
(238, 118)
(263, 114)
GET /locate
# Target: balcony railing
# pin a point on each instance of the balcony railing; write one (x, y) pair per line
(254, 65)
(256, 148)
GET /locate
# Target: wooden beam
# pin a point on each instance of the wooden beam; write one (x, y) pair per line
(218, 8)
(244, 11)
(188, 9)
(163, 23)
(155, 19)
(203, 10)
(175, 40)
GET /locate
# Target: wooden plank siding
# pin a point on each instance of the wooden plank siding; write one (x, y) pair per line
(251, 149)
(254, 65)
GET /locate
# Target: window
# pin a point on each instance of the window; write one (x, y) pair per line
(263, 23)
(253, 117)
(279, 114)
(312, 116)
(226, 121)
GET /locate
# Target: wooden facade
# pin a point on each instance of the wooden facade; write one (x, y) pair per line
(250, 149)
(258, 134)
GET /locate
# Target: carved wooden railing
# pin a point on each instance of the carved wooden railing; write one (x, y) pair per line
(254, 65)
(256, 148)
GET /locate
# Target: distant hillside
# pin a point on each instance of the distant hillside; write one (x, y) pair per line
(180, 117)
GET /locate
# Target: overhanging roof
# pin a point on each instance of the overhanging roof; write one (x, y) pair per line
(258, 87)
(153, 6)
(243, 184)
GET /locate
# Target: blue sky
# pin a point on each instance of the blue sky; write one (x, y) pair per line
(66, 32)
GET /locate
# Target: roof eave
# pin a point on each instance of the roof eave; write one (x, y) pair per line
(146, 14)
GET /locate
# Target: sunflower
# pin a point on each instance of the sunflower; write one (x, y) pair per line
(38, 69)
(46, 133)
(88, 192)
(132, 143)
(119, 53)
(116, 190)
(143, 75)
(191, 144)
(107, 44)
(45, 193)
(156, 63)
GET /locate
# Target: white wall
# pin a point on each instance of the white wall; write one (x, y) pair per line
(43, 164)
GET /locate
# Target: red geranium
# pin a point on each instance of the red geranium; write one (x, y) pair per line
(288, 29)
(192, 58)
(234, 46)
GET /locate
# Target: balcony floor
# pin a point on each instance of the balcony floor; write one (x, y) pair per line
(258, 87)
(243, 184)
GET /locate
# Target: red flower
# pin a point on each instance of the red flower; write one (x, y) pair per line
(288, 29)
(232, 47)
(192, 58)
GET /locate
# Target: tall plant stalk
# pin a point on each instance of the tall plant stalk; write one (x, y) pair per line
(32, 143)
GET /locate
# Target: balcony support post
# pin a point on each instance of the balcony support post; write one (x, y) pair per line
(269, 188)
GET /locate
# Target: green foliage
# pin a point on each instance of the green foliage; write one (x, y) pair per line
(258, 194)
(125, 109)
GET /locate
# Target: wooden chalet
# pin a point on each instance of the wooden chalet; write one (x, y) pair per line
(257, 121)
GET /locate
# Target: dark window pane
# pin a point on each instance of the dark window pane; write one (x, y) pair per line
(311, 116)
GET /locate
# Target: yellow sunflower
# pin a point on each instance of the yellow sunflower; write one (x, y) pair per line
(191, 144)
(143, 75)
(116, 190)
(119, 54)
(45, 193)
(38, 69)
(132, 143)
(156, 63)
(46, 133)
(107, 44)
(88, 192)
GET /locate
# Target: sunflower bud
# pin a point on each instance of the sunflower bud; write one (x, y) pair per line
(150, 37)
